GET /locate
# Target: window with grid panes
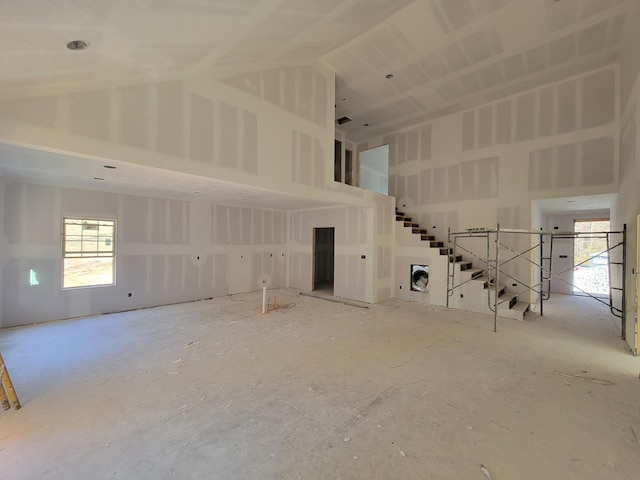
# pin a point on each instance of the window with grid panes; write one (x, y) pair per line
(88, 252)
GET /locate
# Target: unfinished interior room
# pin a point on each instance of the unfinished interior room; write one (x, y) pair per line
(319, 239)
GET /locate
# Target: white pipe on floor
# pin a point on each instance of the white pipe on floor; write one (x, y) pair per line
(264, 299)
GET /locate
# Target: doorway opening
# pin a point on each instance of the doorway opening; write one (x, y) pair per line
(591, 258)
(323, 259)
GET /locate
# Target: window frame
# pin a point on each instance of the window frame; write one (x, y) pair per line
(90, 253)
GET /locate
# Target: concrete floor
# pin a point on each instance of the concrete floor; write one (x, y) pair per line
(322, 390)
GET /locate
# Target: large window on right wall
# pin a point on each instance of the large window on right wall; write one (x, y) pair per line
(88, 252)
(374, 169)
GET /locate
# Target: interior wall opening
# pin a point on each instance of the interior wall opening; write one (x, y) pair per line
(591, 273)
(323, 259)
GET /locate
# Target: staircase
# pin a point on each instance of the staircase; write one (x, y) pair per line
(477, 291)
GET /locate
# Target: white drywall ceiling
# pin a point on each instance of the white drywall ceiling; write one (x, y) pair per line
(147, 38)
(549, 206)
(445, 55)
(449, 55)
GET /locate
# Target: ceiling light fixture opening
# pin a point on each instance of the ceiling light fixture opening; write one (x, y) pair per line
(389, 75)
(78, 45)
(110, 167)
(365, 124)
(98, 178)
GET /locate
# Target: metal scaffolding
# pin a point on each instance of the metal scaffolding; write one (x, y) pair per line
(540, 262)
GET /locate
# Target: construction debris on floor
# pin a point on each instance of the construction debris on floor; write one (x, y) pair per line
(217, 390)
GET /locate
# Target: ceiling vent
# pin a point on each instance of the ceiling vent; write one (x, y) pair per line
(77, 45)
(343, 120)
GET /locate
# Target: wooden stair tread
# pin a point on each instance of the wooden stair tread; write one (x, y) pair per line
(502, 290)
(521, 307)
(517, 312)
(474, 271)
(507, 300)
(464, 265)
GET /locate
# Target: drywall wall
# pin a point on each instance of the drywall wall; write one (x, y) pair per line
(628, 206)
(269, 129)
(166, 251)
(485, 166)
(410, 250)
(354, 250)
(301, 90)
(384, 261)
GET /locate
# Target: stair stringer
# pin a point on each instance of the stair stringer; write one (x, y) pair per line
(471, 296)
(474, 297)
(411, 249)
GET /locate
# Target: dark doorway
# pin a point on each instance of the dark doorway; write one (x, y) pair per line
(323, 257)
(337, 161)
(348, 167)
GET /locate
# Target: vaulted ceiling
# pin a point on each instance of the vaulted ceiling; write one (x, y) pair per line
(444, 55)
(449, 55)
(149, 38)
(397, 62)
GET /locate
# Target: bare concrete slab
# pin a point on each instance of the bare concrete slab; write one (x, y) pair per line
(316, 389)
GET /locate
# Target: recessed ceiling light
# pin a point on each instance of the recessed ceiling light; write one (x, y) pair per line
(109, 166)
(365, 124)
(571, 201)
(78, 45)
(98, 178)
(389, 75)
